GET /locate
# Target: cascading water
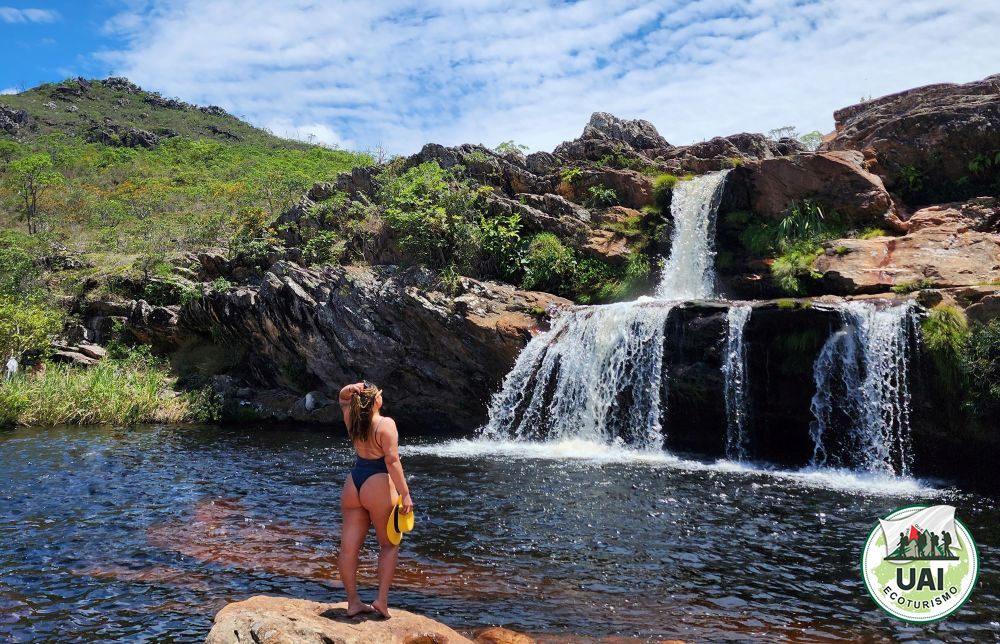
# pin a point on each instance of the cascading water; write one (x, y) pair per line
(689, 273)
(862, 387)
(734, 372)
(597, 375)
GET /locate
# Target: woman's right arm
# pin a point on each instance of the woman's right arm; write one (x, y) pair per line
(394, 465)
(348, 391)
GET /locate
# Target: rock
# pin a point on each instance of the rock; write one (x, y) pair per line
(985, 310)
(72, 108)
(214, 264)
(638, 134)
(156, 325)
(224, 133)
(567, 220)
(982, 214)
(275, 620)
(214, 110)
(11, 120)
(94, 351)
(439, 357)
(121, 84)
(73, 357)
(835, 180)
(633, 189)
(941, 255)
(498, 635)
(724, 152)
(922, 140)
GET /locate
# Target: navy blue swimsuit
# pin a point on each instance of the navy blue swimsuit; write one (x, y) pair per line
(365, 467)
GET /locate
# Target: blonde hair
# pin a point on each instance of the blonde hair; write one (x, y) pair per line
(362, 409)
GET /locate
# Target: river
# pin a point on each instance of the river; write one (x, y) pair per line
(144, 533)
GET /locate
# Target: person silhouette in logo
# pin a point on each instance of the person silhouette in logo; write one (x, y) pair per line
(903, 543)
(934, 545)
(946, 546)
(921, 543)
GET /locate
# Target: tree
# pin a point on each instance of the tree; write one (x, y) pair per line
(509, 146)
(811, 139)
(30, 177)
(8, 150)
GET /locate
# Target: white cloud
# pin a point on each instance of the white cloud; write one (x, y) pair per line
(359, 73)
(310, 132)
(8, 90)
(12, 15)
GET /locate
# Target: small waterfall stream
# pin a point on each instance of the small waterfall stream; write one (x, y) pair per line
(689, 272)
(862, 388)
(734, 372)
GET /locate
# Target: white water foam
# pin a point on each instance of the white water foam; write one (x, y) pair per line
(602, 453)
(596, 375)
(689, 272)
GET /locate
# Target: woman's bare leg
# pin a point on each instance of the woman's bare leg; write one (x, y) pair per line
(352, 535)
(378, 497)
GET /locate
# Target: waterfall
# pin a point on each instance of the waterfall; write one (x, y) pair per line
(734, 372)
(596, 375)
(689, 273)
(862, 388)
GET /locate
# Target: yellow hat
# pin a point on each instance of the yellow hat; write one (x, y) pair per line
(398, 522)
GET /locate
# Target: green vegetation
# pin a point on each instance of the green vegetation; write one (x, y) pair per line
(916, 285)
(571, 175)
(663, 185)
(795, 241)
(945, 333)
(508, 147)
(982, 368)
(549, 265)
(871, 233)
(601, 197)
(132, 388)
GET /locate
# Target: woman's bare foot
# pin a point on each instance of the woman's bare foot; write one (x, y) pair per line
(358, 608)
(382, 607)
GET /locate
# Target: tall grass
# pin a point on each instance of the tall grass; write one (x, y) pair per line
(110, 392)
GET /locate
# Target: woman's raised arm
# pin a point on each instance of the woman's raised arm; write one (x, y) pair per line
(348, 390)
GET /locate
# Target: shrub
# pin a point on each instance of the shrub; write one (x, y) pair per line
(982, 366)
(793, 265)
(945, 333)
(663, 185)
(871, 233)
(204, 405)
(431, 212)
(910, 287)
(500, 244)
(26, 325)
(508, 147)
(601, 197)
(549, 265)
(253, 241)
(322, 248)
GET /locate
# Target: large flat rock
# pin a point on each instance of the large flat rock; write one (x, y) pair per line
(279, 620)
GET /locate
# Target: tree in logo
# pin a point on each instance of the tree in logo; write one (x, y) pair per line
(919, 563)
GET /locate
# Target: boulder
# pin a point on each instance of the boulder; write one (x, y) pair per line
(11, 120)
(923, 140)
(73, 357)
(156, 325)
(946, 255)
(278, 620)
(438, 356)
(544, 213)
(606, 134)
(94, 351)
(633, 189)
(724, 152)
(835, 180)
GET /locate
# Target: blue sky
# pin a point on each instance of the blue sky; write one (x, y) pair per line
(400, 73)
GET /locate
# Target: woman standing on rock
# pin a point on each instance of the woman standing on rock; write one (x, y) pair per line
(370, 492)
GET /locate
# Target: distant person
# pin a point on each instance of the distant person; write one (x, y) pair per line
(946, 545)
(934, 544)
(921, 543)
(370, 492)
(12, 367)
(904, 542)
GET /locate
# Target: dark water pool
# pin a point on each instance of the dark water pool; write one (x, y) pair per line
(143, 534)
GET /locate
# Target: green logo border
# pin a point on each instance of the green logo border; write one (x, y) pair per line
(864, 580)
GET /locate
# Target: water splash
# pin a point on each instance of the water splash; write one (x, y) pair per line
(734, 371)
(689, 273)
(596, 375)
(862, 390)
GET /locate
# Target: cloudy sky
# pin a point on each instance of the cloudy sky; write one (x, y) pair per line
(400, 73)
